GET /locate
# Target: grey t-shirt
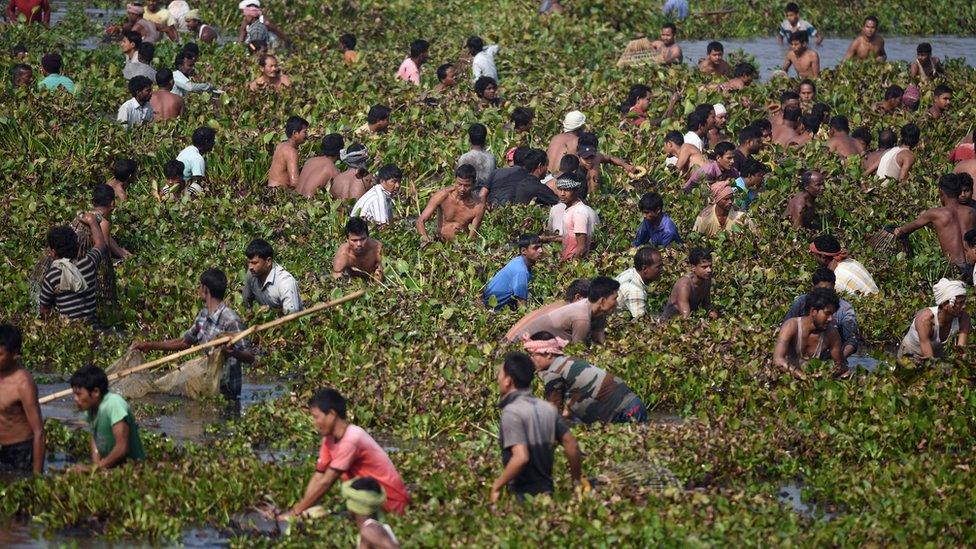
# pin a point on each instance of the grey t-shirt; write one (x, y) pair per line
(537, 424)
(483, 163)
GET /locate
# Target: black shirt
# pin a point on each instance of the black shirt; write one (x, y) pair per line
(514, 185)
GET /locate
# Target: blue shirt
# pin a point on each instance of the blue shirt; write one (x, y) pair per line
(661, 236)
(748, 195)
(677, 8)
(52, 81)
(511, 281)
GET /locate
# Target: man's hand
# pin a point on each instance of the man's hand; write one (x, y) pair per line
(496, 493)
(81, 468)
(139, 346)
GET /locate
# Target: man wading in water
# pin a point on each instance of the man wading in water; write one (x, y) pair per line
(457, 208)
(811, 336)
(21, 424)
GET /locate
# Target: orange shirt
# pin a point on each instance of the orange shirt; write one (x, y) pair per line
(356, 455)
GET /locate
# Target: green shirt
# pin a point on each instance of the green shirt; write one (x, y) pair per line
(52, 81)
(112, 410)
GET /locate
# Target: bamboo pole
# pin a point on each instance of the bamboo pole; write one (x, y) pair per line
(225, 340)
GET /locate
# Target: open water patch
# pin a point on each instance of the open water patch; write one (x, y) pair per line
(790, 495)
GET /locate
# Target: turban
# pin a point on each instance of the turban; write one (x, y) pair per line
(356, 159)
(911, 96)
(246, 3)
(135, 9)
(362, 502)
(838, 256)
(252, 11)
(552, 346)
(720, 190)
(719, 109)
(947, 290)
(192, 14)
(573, 121)
(568, 183)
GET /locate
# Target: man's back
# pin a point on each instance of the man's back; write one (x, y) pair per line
(348, 186)
(501, 185)
(166, 105)
(571, 322)
(316, 173)
(535, 423)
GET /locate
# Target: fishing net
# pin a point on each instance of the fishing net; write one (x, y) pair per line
(195, 378)
(134, 385)
(638, 52)
(639, 475)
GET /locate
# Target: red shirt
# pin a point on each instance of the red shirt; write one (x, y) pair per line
(962, 152)
(355, 455)
(31, 9)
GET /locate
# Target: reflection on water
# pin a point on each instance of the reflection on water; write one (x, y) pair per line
(16, 535)
(791, 494)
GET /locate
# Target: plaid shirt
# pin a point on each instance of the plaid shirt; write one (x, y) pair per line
(852, 277)
(207, 327)
(632, 296)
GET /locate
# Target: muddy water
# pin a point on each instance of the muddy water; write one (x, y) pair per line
(791, 495)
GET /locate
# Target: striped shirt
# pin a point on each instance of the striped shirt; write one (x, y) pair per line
(376, 205)
(632, 295)
(73, 304)
(590, 393)
(853, 278)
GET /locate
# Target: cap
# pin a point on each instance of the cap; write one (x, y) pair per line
(586, 151)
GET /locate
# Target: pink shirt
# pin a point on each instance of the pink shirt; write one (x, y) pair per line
(356, 454)
(578, 219)
(409, 71)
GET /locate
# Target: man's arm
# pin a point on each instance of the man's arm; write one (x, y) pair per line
(98, 238)
(836, 349)
(292, 163)
(318, 486)
(242, 32)
(683, 301)
(113, 246)
(429, 210)
(787, 333)
(571, 447)
(291, 300)
(908, 228)
(378, 272)
(520, 457)
(815, 67)
(580, 331)
(274, 28)
(339, 263)
(923, 325)
(120, 431)
(32, 410)
(795, 211)
(906, 164)
(45, 13)
(478, 217)
(965, 326)
(851, 50)
(177, 344)
(882, 54)
(788, 62)
(582, 243)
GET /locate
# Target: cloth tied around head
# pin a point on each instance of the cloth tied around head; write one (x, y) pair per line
(192, 14)
(356, 159)
(135, 9)
(552, 346)
(362, 502)
(568, 183)
(719, 109)
(252, 11)
(720, 190)
(838, 256)
(947, 290)
(573, 121)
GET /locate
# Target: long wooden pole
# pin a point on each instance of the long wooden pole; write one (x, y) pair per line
(225, 340)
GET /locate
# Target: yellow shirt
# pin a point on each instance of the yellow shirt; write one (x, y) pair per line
(707, 222)
(162, 18)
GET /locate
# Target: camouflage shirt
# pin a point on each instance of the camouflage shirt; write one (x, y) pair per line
(590, 393)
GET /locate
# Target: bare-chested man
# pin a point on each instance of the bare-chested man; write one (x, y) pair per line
(788, 131)
(319, 171)
(165, 104)
(941, 101)
(965, 212)
(802, 207)
(271, 77)
(352, 183)
(565, 143)
(966, 166)
(683, 156)
(805, 61)
(886, 140)
(944, 221)
(21, 425)
(284, 163)
(897, 161)
(668, 52)
(840, 140)
(359, 256)
(694, 290)
(457, 208)
(787, 99)
(714, 61)
(811, 336)
(742, 75)
(868, 44)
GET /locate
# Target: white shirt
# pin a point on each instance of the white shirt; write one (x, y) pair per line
(132, 114)
(692, 137)
(279, 290)
(555, 222)
(193, 163)
(183, 86)
(376, 205)
(483, 64)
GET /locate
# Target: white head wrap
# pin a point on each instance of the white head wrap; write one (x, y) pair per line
(719, 109)
(246, 3)
(947, 290)
(573, 121)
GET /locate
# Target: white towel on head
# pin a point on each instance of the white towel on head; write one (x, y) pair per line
(947, 290)
(71, 278)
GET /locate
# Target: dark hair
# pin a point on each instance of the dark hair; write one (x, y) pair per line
(191, 49)
(11, 339)
(840, 123)
(377, 113)
(887, 138)
(522, 116)
(569, 163)
(164, 77)
(419, 47)
(263, 59)
(368, 484)
(442, 71)
(348, 40)
(671, 26)
(791, 7)
(518, 366)
(762, 124)
(752, 167)
(390, 171)
(695, 121)
(329, 400)
(19, 69)
(807, 176)
(601, 287)
(580, 286)
(788, 95)
(475, 44)
(542, 336)
(970, 238)
(697, 255)
(51, 63)
(807, 82)
(743, 69)
(527, 240)
(146, 52)
(174, 169)
(705, 109)
(216, 281)
(821, 298)
(332, 144)
(800, 36)
(138, 83)
(482, 84)
(180, 58)
(862, 133)
(722, 148)
(924, 47)
(477, 134)
(295, 124)
(811, 122)
(637, 91)
(103, 195)
(873, 19)
(63, 241)
(518, 157)
(941, 89)
(824, 274)
(124, 168)
(89, 378)
(587, 138)
(650, 201)
(259, 248)
(792, 113)
(466, 172)
(827, 243)
(949, 184)
(714, 46)
(965, 180)
(357, 226)
(910, 135)
(675, 137)
(821, 111)
(645, 256)
(533, 159)
(748, 133)
(133, 36)
(893, 92)
(204, 136)
(258, 46)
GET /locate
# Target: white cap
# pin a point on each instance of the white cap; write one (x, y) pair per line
(246, 3)
(573, 121)
(719, 109)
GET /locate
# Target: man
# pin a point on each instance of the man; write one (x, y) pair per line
(21, 423)
(271, 77)
(51, 69)
(320, 171)
(482, 59)
(932, 328)
(115, 435)
(446, 78)
(129, 44)
(577, 220)
(267, 282)
(886, 141)
(520, 184)
(962, 204)
(529, 428)
(965, 150)
(165, 104)
(377, 122)
(592, 161)
(409, 70)
(580, 321)
(521, 119)
(742, 75)
(482, 160)
(347, 47)
(29, 11)
(194, 165)
(214, 320)
(136, 22)
(632, 295)
(142, 66)
(840, 140)
(255, 27)
(347, 452)
(844, 318)
(717, 132)
(869, 44)
(787, 99)
(103, 204)
(682, 156)
(802, 206)
(204, 32)
(124, 172)
(69, 285)
(788, 132)
(720, 169)
(352, 183)
(577, 290)
(284, 163)
(792, 23)
(137, 110)
(801, 57)
(162, 18)
(811, 336)
(946, 223)
(941, 101)
(657, 228)
(714, 62)
(749, 182)
(186, 69)
(457, 208)
(364, 499)
(897, 161)
(925, 67)
(892, 102)
(579, 390)
(668, 52)
(377, 204)
(698, 123)
(359, 256)
(851, 276)
(565, 142)
(694, 290)
(510, 285)
(721, 215)
(22, 75)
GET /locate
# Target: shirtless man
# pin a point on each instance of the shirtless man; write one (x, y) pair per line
(891, 103)
(802, 207)
(319, 171)
(284, 163)
(694, 290)
(801, 57)
(714, 61)
(840, 140)
(787, 99)
(945, 222)
(565, 143)
(668, 51)
(925, 66)
(271, 77)
(966, 166)
(742, 75)
(897, 161)
(457, 208)
(886, 140)
(683, 156)
(788, 131)
(359, 256)
(869, 44)
(941, 101)
(352, 183)
(165, 104)
(811, 336)
(21, 424)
